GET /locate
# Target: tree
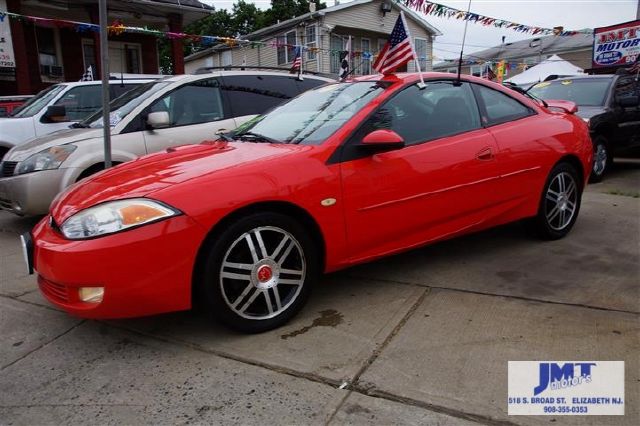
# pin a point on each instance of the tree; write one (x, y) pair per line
(281, 10)
(246, 18)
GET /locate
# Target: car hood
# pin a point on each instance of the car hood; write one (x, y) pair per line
(151, 173)
(589, 111)
(61, 137)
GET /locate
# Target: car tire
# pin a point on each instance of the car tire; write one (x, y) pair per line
(259, 271)
(602, 159)
(559, 203)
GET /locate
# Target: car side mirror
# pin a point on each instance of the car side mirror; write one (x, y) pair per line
(55, 114)
(383, 139)
(158, 120)
(629, 101)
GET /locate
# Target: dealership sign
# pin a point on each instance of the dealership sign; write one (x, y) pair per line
(616, 45)
(6, 46)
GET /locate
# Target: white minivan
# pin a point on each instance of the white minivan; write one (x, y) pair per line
(58, 106)
(174, 111)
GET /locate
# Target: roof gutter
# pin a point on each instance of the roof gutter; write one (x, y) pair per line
(182, 7)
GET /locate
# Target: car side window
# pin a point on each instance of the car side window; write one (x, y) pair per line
(626, 87)
(441, 109)
(498, 107)
(256, 94)
(81, 101)
(194, 103)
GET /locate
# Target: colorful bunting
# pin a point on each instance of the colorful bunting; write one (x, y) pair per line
(442, 11)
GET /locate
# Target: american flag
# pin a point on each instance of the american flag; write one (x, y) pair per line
(297, 62)
(397, 51)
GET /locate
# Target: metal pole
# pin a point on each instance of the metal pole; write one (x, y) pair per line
(104, 66)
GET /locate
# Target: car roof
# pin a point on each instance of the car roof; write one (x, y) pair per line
(223, 73)
(112, 81)
(582, 77)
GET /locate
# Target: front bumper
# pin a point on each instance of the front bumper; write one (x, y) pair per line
(144, 271)
(31, 193)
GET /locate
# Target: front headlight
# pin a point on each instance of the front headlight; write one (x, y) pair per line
(114, 216)
(48, 159)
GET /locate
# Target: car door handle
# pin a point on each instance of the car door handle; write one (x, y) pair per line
(221, 131)
(485, 154)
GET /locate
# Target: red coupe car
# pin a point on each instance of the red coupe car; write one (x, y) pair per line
(340, 175)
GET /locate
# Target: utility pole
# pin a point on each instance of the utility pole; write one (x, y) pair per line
(104, 66)
(638, 12)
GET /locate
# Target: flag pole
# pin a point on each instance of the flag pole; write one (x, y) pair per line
(301, 64)
(104, 66)
(422, 84)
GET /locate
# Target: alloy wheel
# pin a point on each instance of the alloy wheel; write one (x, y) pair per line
(561, 201)
(262, 273)
(600, 159)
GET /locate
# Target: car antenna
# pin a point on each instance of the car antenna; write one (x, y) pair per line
(458, 81)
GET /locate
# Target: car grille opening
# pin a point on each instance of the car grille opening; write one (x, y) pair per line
(55, 291)
(7, 168)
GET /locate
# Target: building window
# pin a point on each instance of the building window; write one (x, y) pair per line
(366, 60)
(476, 70)
(226, 58)
(46, 38)
(311, 39)
(421, 52)
(286, 47)
(452, 70)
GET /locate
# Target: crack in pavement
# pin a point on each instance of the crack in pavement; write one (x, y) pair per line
(483, 293)
(44, 344)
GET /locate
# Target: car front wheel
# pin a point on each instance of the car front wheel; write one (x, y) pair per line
(560, 203)
(259, 272)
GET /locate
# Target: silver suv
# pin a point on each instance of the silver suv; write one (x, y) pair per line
(174, 111)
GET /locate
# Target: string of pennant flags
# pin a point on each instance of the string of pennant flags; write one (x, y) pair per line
(442, 11)
(429, 8)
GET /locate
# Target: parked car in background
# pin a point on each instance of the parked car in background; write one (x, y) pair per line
(58, 106)
(155, 116)
(343, 174)
(9, 104)
(610, 104)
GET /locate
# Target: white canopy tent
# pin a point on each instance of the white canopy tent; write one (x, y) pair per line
(553, 65)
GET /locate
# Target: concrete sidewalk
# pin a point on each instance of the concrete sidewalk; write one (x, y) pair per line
(419, 338)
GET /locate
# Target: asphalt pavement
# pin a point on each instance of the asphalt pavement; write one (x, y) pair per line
(419, 338)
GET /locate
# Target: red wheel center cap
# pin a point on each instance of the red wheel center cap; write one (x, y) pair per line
(265, 273)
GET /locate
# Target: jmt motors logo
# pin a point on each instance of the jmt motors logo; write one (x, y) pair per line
(556, 376)
(565, 388)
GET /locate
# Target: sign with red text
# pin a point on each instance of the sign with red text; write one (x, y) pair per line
(616, 45)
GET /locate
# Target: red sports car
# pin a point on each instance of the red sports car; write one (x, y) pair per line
(340, 175)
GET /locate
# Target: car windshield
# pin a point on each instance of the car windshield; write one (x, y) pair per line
(311, 117)
(122, 106)
(39, 101)
(583, 91)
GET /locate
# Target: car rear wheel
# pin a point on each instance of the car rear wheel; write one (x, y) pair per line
(602, 159)
(259, 272)
(560, 203)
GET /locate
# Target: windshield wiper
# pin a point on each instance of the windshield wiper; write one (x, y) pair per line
(256, 137)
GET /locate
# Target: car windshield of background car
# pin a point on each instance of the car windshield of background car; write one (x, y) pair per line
(122, 106)
(39, 101)
(584, 92)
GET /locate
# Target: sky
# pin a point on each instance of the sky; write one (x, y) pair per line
(571, 14)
